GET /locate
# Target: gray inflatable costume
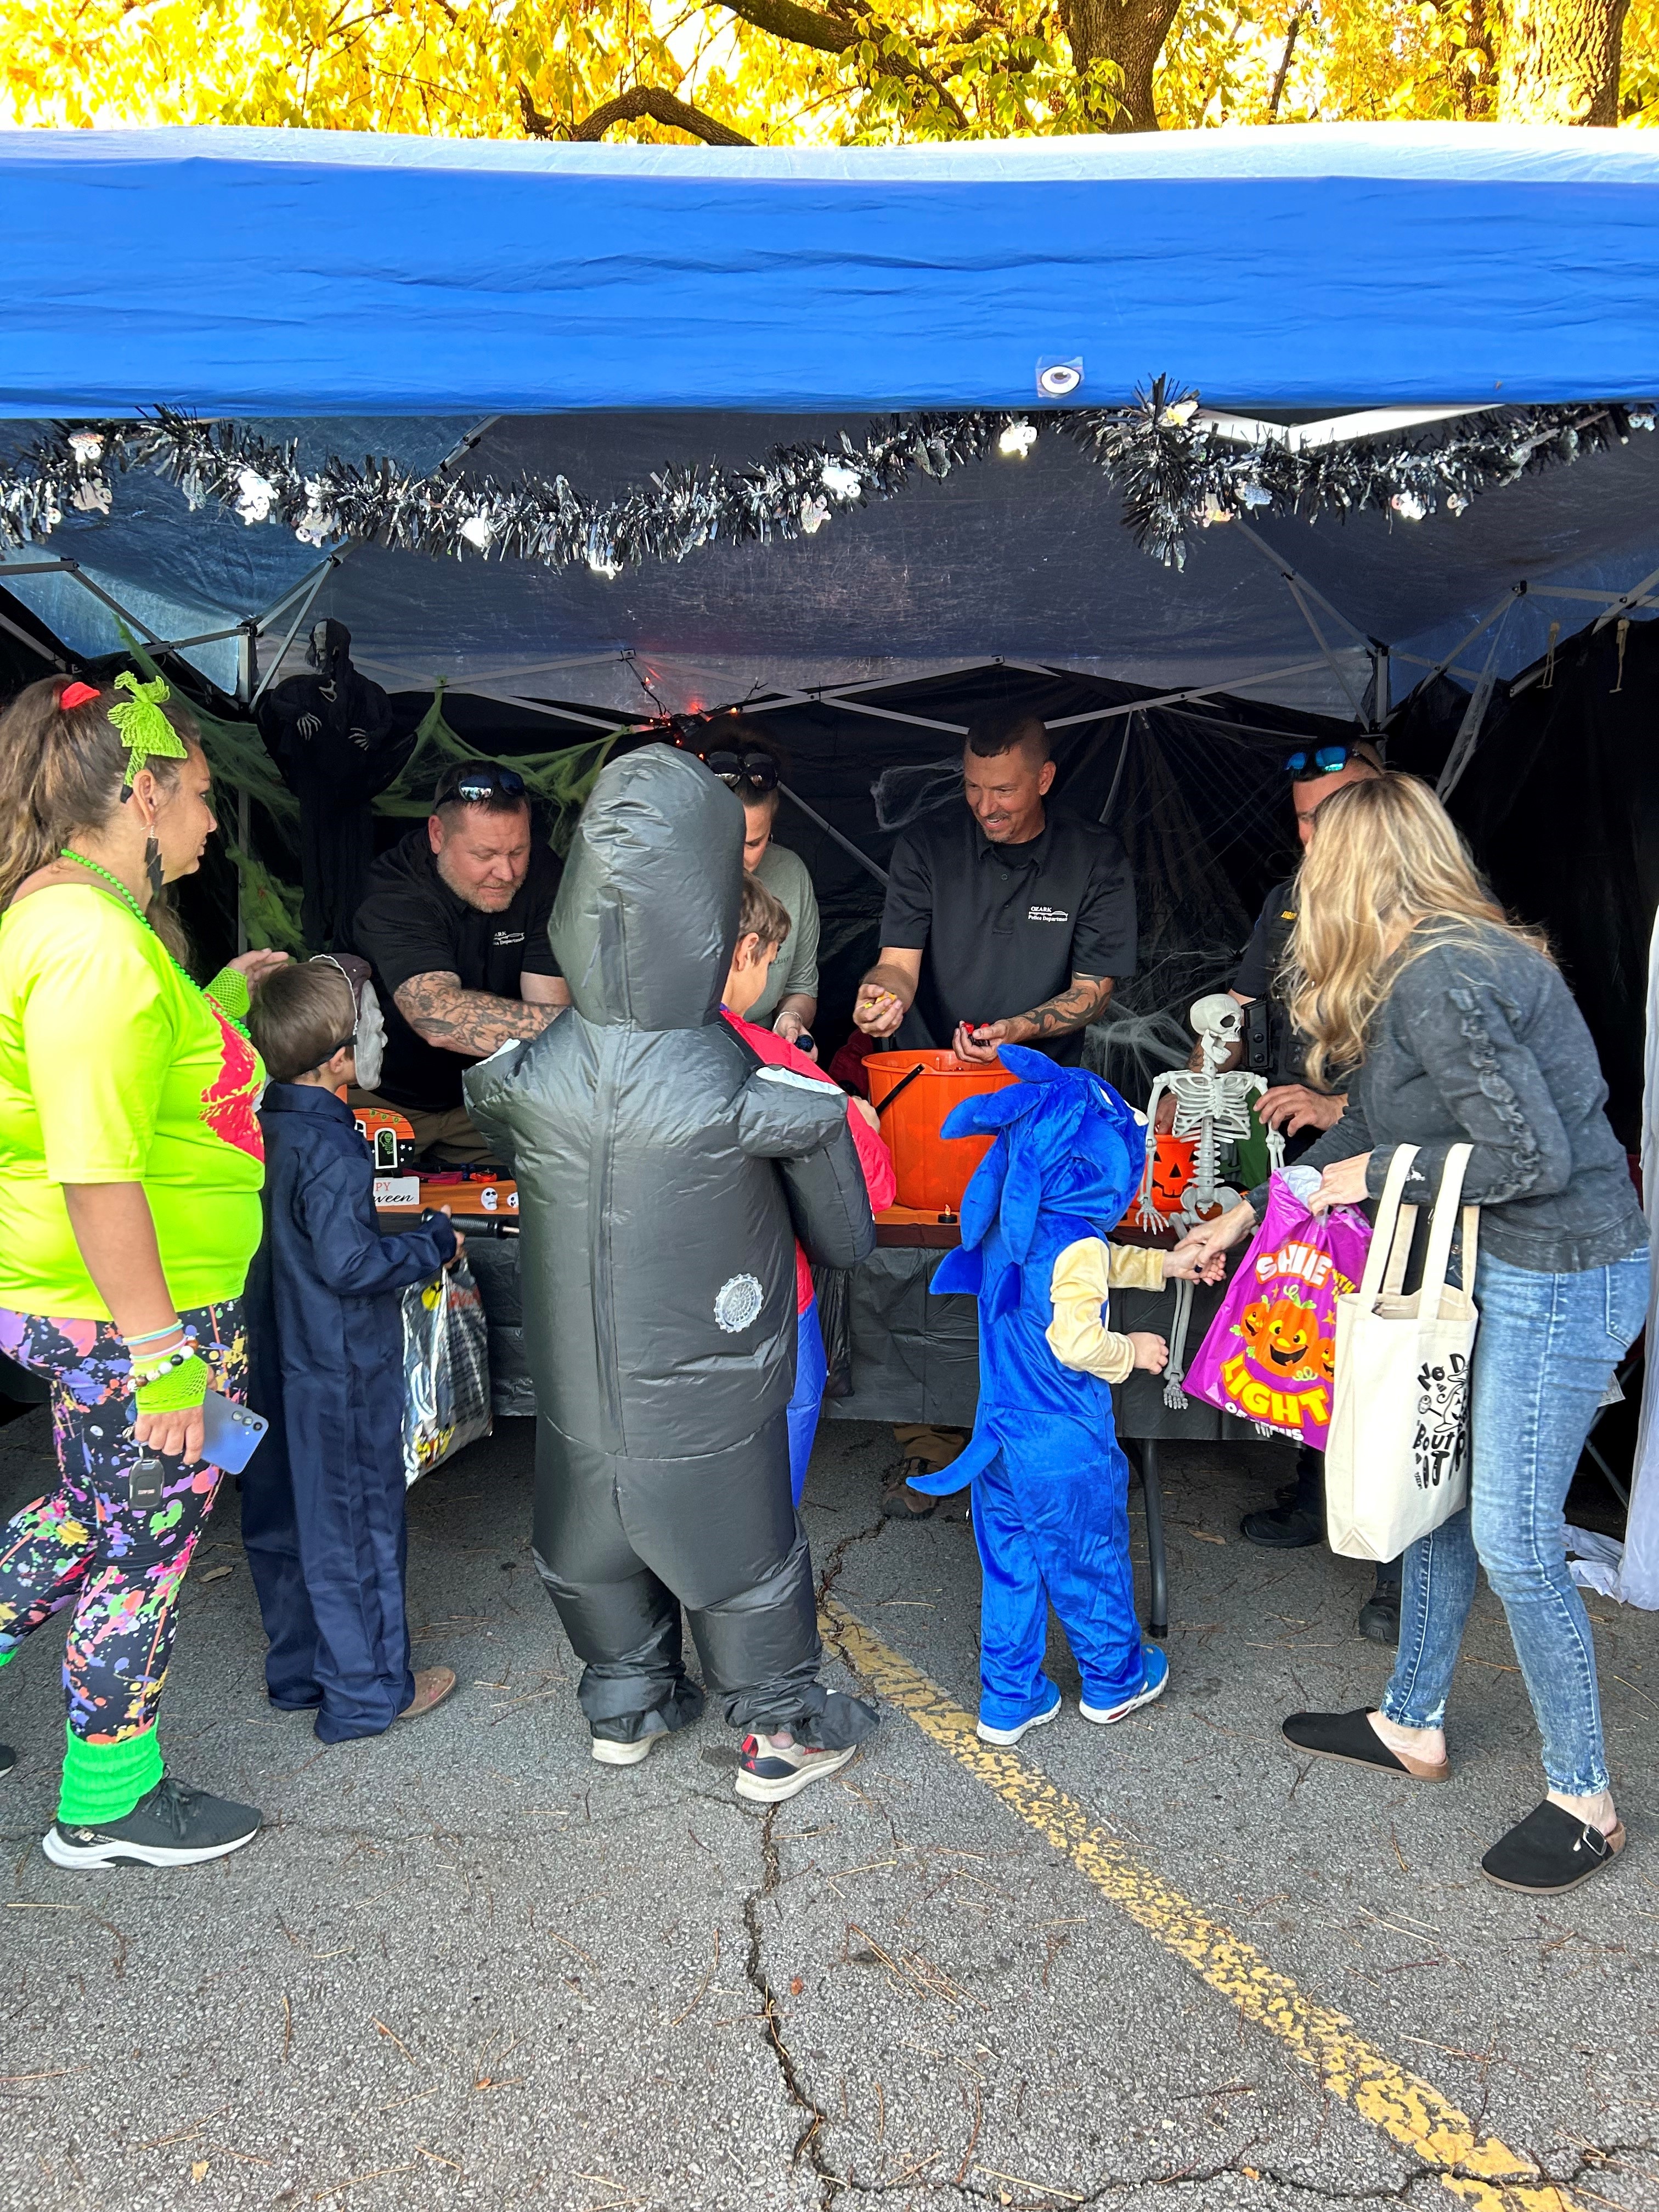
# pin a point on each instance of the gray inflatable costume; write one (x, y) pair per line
(663, 1177)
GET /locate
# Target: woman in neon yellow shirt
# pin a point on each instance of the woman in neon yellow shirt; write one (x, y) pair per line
(130, 1162)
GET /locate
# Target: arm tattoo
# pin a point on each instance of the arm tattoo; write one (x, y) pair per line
(473, 1022)
(1073, 1008)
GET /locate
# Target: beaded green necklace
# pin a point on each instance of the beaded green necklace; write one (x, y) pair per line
(133, 908)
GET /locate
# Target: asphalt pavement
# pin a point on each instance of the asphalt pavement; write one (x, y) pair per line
(1169, 1965)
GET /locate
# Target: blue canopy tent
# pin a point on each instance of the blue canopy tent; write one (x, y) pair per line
(608, 312)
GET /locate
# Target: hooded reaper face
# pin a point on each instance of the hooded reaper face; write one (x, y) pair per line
(647, 915)
(330, 654)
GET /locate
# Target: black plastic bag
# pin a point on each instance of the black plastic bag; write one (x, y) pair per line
(834, 1287)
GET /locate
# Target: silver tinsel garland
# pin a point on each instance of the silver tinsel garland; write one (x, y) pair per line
(1174, 472)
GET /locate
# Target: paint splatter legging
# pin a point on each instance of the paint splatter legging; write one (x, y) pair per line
(84, 1542)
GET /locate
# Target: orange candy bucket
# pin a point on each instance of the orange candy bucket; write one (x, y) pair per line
(932, 1171)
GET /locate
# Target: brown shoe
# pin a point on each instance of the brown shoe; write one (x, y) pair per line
(898, 1501)
(432, 1686)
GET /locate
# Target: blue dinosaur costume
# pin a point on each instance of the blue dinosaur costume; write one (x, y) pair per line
(1050, 1480)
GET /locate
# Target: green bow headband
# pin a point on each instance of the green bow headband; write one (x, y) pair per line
(146, 733)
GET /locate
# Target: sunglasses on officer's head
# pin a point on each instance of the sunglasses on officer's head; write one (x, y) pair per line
(1323, 760)
(475, 785)
(758, 770)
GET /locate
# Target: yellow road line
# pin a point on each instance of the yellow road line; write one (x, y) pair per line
(1477, 2170)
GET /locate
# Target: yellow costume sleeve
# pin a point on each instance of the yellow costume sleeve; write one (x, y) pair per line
(1134, 1267)
(1078, 1336)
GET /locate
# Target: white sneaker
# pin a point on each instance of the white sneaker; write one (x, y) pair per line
(1155, 1682)
(987, 1733)
(610, 1752)
(767, 1773)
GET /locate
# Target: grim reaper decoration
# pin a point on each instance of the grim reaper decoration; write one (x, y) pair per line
(333, 736)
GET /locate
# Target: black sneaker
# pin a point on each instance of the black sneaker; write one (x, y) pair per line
(1379, 1617)
(8, 1759)
(1284, 1527)
(170, 1825)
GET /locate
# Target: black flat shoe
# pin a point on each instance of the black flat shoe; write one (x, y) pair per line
(1551, 1850)
(1284, 1527)
(8, 1759)
(1351, 1737)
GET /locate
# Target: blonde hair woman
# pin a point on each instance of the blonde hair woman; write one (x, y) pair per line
(1403, 961)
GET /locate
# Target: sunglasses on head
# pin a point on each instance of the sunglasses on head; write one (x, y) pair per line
(1322, 760)
(474, 785)
(758, 770)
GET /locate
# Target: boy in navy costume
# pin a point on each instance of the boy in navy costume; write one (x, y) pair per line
(323, 1496)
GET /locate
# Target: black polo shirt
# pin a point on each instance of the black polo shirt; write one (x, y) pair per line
(1278, 1047)
(1002, 927)
(410, 923)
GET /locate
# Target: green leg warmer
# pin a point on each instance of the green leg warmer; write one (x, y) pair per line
(102, 1782)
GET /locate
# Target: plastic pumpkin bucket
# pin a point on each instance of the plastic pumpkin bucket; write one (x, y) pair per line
(932, 1171)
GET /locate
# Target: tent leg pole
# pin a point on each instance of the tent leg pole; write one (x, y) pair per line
(247, 661)
(830, 830)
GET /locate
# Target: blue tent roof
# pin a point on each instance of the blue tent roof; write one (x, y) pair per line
(606, 311)
(306, 273)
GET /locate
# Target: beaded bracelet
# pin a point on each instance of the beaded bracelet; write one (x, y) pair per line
(152, 1369)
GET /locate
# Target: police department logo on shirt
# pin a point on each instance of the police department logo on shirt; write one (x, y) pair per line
(1046, 914)
(738, 1305)
(507, 937)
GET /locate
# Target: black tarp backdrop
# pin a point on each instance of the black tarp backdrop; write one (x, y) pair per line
(1560, 803)
(1198, 794)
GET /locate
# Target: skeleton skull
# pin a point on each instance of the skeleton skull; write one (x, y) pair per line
(1220, 1016)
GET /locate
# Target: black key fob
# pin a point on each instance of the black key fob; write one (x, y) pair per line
(145, 1482)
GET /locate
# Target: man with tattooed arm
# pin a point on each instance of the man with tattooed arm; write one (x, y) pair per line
(455, 923)
(1007, 922)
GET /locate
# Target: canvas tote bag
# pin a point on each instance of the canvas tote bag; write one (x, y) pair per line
(1397, 1463)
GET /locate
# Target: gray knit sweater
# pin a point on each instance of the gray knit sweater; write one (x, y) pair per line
(1481, 1041)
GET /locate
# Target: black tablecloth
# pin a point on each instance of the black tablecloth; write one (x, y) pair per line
(916, 1357)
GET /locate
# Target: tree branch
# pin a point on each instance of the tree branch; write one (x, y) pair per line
(802, 27)
(834, 34)
(660, 106)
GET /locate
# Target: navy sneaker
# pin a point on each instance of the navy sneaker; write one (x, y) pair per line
(767, 1773)
(170, 1825)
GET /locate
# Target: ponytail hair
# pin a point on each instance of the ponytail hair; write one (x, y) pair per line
(63, 770)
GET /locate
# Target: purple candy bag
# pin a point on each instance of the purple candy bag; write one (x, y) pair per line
(1270, 1355)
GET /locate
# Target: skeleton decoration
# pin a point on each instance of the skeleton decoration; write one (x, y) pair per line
(1212, 1105)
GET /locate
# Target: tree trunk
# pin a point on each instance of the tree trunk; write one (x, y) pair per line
(1560, 61)
(1130, 32)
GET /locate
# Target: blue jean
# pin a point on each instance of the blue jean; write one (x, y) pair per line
(1547, 1349)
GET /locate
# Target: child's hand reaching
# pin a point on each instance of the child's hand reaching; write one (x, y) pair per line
(460, 1241)
(1152, 1353)
(1188, 1262)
